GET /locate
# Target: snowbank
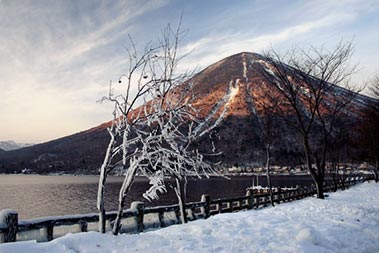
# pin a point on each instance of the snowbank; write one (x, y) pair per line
(344, 222)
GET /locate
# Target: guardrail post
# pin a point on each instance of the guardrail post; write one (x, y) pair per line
(298, 192)
(50, 232)
(10, 219)
(239, 205)
(265, 200)
(178, 218)
(161, 219)
(206, 209)
(140, 207)
(229, 206)
(194, 215)
(83, 226)
(257, 199)
(279, 195)
(250, 199)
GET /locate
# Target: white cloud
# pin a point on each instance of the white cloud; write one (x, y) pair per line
(214, 47)
(53, 73)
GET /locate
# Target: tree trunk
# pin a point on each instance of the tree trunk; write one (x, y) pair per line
(100, 200)
(335, 181)
(334, 174)
(268, 174)
(126, 185)
(270, 188)
(117, 223)
(318, 178)
(376, 171)
(101, 186)
(320, 187)
(180, 193)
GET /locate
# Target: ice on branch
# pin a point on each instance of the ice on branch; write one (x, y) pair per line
(157, 186)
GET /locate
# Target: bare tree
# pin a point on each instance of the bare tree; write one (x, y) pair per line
(129, 144)
(125, 119)
(266, 105)
(338, 143)
(178, 121)
(368, 128)
(312, 101)
(152, 139)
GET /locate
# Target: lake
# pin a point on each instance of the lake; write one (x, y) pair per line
(37, 196)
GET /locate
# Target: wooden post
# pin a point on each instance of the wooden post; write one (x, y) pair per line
(10, 219)
(239, 205)
(83, 226)
(298, 192)
(161, 219)
(265, 200)
(279, 195)
(206, 209)
(229, 206)
(250, 199)
(193, 213)
(257, 199)
(302, 193)
(140, 207)
(50, 232)
(190, 213)
(178, 218)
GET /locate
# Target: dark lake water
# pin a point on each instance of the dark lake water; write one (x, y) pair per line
(37, 196)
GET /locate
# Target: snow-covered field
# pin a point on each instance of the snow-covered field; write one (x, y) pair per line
(346, 221)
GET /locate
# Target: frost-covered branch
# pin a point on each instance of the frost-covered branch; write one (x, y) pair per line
(154, 139)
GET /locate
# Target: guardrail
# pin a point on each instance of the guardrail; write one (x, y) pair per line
(139, 218)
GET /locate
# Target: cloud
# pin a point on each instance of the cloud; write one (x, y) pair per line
(214, 47)
(55, 65)
(57, 57)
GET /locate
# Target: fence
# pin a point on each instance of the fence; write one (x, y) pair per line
(139, 218)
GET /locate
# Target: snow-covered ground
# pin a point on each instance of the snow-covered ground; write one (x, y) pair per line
(346, 221)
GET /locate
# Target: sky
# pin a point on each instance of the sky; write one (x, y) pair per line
(58, 57)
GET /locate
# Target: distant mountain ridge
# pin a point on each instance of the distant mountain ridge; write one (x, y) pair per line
(227, 93)
(12, 145)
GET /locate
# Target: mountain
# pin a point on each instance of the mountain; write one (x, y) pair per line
(11, 145)
(78, 153)
(228, 93)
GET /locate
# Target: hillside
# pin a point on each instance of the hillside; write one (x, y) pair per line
(77, 153)
(227, 92)
(11, 145)
(231, 93)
